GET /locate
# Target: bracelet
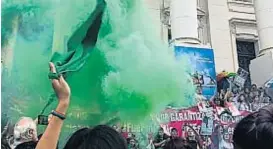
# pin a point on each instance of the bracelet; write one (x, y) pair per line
(59, 115)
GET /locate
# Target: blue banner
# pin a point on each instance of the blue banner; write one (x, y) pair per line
(203, 68)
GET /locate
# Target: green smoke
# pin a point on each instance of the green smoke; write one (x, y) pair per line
(129, 75)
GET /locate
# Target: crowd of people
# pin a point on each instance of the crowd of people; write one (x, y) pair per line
(245, 99)
(255, 131)
(161, 140)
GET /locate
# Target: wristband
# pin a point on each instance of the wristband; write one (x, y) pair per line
(59, 115)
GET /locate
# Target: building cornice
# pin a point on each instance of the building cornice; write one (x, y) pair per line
(237, 21)
(241, 7)
(241, 3)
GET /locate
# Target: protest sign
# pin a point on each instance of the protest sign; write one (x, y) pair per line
(241, 77)
(203, 68)
(207, 123)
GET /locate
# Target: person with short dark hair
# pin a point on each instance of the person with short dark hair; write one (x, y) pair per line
(132, 143)
(255, 105)
(161, 139)
(242, 104)
(255, 131)
(174, 133)
(100, 137)
(191, 139)
(217, 101)
(246, 90)
(253, 87)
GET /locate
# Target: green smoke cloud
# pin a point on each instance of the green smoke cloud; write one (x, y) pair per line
(129, 75)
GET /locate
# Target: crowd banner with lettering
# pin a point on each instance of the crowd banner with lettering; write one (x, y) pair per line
(213, 127)
(182, 118)
(203, 67)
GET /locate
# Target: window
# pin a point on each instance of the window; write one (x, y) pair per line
(246, 53)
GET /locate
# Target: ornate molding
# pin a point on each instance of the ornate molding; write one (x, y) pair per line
(201, 7)
(186, 40)
(241, 7)
(236, 23)
(201, 12)
(242, 21)
(232, 27)
(241, 2)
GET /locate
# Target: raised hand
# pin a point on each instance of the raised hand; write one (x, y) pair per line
(60, 87)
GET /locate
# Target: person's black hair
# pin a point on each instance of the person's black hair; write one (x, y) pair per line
(255, 131)
(100, 137)
(27, 145)
(77, 138)
(160, 129)
(246, 88)
(40, 136)
(239, 99)
(253, 85)
(177, 143)
(129, 139)
(255, 96)
(174, 129)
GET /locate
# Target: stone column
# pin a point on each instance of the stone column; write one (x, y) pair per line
(264, 18)
(184, 23)
(261, 68)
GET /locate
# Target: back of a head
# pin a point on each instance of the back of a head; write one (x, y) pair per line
(255, 131)
(25, 131)
(177, 143)
(27, 145)
(100, 137)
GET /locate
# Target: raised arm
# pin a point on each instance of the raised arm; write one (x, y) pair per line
(51, 135)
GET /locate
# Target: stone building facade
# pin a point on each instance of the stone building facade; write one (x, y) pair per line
(238, 31)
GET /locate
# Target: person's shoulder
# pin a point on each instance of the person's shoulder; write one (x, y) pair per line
(156, 140)
(165, 136)
(5, 146)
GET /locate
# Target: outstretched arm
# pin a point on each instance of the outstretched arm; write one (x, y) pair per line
(160, 143)
(51, 135)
